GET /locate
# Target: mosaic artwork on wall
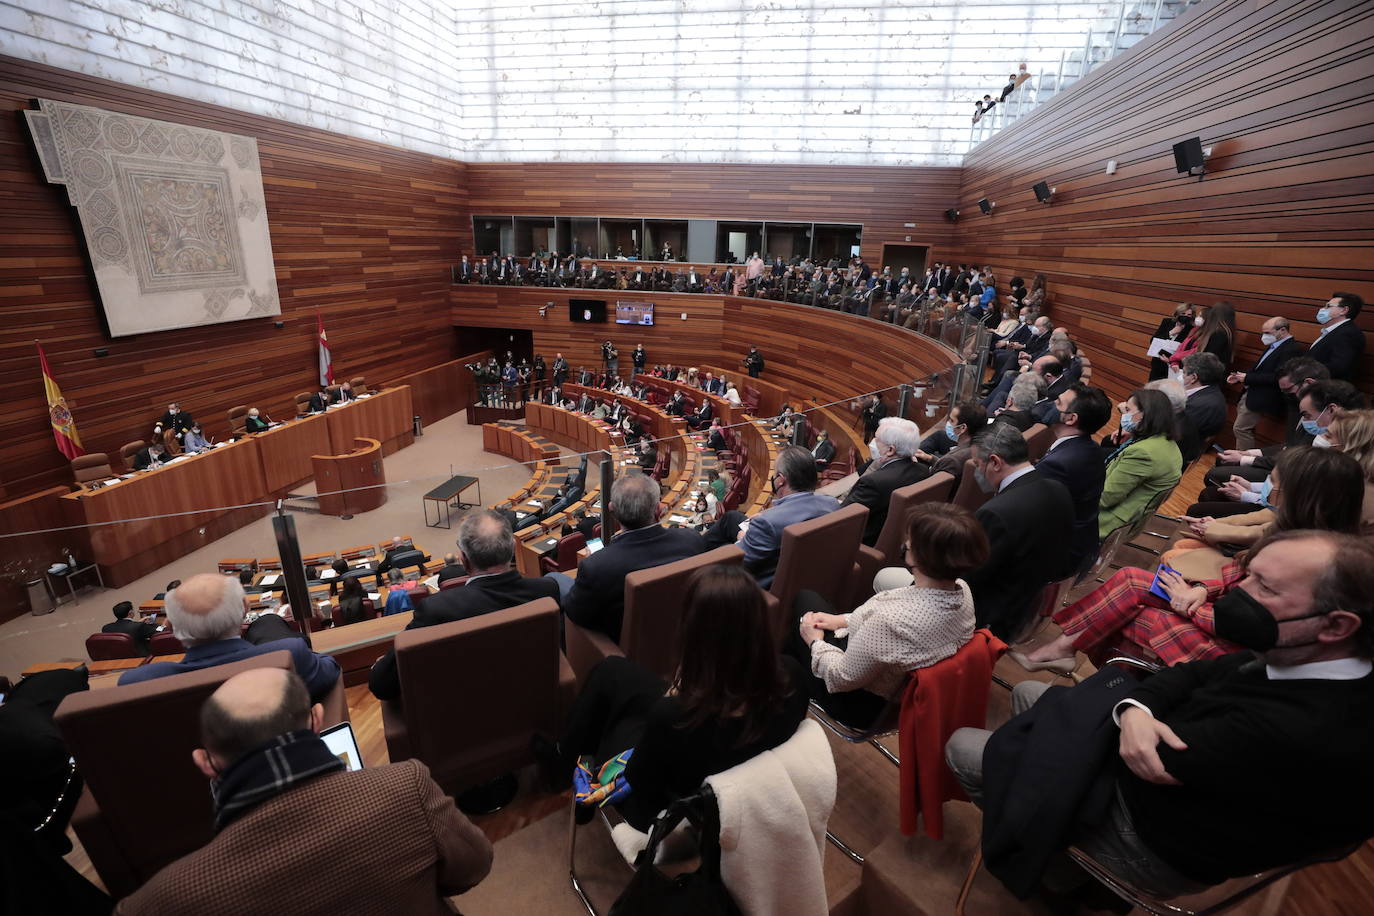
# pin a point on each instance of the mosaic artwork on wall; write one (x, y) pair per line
(173, 216)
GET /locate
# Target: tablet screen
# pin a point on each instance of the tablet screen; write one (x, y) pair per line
(340, 741)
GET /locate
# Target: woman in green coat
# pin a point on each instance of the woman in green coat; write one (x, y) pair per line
(1144, 466)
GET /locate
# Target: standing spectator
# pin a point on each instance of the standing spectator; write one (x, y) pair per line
(1175, 327)
(1214, 332)
(1341, 343)
(1260, 394)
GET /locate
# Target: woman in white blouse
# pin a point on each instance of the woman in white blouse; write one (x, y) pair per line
(901, 629)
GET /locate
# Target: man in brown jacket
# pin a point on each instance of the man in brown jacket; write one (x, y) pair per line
(296, 832)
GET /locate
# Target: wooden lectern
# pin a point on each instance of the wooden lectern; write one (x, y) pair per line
(351, 483)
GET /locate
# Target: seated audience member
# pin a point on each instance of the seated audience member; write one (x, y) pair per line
(596, 599)
(824, 450)
(1260, 395)
(1295, 377)
(1185, 430)
(1046, 367)
(340, 567)
(897, 630)
(254, 423)
(288, 814)
(730, 700)
(487, 547)
(1075, 460)
(195, 442)
(351, 596)
(452, 568)
(676, 405)
(1205, 741)
(731, 394)
(715, 437)
(206, 615)
(1352, 432)
(784, 420)
(794, 480)
(716, 482)
(141, 631)
(1308, 488)
(1146, 465)
(150, 457)
(701, 417)
(582, 523)
(892, 448)
(1028, 521)
(397, 593)
(398, 547)
(965, 421)
(1203, 373)
(1025, 392)
(176, 583)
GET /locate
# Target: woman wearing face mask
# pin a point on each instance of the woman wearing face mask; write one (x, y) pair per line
(1144, 465)
(1190, 624)
(1176, 327)
(194, 441)
(1352, 432)
(1309, 488)
(1214, 331)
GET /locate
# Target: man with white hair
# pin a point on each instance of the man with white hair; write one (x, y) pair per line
(892, 448)
(1189, 439)
(206, 614)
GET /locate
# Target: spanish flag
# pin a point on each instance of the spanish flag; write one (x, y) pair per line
(63, 424)
(326, 361)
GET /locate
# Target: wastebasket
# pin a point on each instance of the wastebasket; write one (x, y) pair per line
(419, 427)
(40, 599)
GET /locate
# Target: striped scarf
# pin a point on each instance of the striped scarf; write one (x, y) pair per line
(268, 771)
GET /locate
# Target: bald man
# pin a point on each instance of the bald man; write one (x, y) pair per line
(296, 832)
(206, 613)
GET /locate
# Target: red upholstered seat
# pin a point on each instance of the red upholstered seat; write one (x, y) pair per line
(106, 646)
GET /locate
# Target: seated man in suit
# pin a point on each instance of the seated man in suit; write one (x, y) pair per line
(288, 815)
(487, 547)
(320, 400)
(715, 437)
(206, 614)
(1028, 521)
(1025, 392)
(701, 417)
(823, 451)
(965, 421)
(452, 569)
(1046, 366)
(398, 546)
(141, 631)
(596, 599)
(648, 454)
(1205, 744)
(151, 456)
(343, 394)
(1075, 460)
(893, 449)
(1203, 373)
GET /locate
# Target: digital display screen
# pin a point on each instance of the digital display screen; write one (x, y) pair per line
(587, 310)
(634, 313)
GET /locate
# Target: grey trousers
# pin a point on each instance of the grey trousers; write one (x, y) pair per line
(1244, 427)
(1114, 844)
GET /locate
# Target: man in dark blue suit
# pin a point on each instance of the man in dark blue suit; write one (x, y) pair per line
(595, 600)
(1075, 460)
(1261, 395)
(1341, 343)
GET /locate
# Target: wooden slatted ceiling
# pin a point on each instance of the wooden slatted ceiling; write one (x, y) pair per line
(882, 199)
(361, 232)
(1283, 92)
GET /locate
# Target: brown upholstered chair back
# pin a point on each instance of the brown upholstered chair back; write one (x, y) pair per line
(359, 385)
(302, 402)
(127, 452)
(507, 663)
(165, 644)
(92, 467)
(654, 605)
(935, 488)
(145, 803)
(238, 419)
(819, 555)
(105, 646)
(968, 494)
(1038, 439)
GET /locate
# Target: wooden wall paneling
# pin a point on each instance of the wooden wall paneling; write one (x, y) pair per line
(286, 452)
(27, 555)
(386, 417)
(443, 389)
(361, 232)
(1283, 93)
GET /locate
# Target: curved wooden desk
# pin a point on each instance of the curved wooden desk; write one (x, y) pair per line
(353, 482)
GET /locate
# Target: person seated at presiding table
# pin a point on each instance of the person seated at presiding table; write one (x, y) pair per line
(343, 394)
(1233, 765)
(141, 631)
(320, 400)
(288, 815)
(892, 448)
(596, 598)
(731, 699)
(254, 423)
(901, 628)
(487, 547)
(194, 442)
(206, 614)
(151, 456)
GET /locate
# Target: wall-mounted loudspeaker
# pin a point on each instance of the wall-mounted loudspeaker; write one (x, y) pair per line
(952, 215)
(1043, 192)
(985, 205)
(1188, 156)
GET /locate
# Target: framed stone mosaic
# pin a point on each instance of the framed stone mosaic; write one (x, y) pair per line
(173, 216)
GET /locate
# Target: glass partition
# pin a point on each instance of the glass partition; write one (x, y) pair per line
(621, 238)
(535, 235)
(735, 242)
(493, 234)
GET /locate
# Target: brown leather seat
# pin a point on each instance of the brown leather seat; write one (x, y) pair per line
(968, 494)
(302, 403)
(92, 467)
(359, 384)
(654, 605)
(508, 664)
(887, 551)
(238, 418)
(130, 451)
(145, 803)
(105, 646)
(1038, 439)
(819, 555)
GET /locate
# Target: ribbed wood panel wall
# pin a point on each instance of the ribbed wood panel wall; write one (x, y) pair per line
(882, 199)
(1284, 94)
(362, 232)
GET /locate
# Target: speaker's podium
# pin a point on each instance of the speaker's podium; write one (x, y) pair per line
(351, 483)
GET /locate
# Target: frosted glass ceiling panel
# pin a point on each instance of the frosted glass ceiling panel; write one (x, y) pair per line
(810, 81)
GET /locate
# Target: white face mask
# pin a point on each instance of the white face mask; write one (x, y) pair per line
(1321, 441)
(1268, 339)
(1197, 322)
(874, 451)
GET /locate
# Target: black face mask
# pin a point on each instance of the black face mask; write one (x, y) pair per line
(1244, 621)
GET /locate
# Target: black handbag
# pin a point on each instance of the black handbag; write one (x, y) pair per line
(699, 893)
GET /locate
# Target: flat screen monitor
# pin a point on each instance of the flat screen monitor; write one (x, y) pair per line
(634, 313)
(584, 311)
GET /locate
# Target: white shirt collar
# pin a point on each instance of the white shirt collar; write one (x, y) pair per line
(1014, 475)
(1332, 327)
(1194, 390)
(1336, 669)
(1055, 444)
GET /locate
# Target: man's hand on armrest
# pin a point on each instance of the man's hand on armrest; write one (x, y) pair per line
(1141, 734)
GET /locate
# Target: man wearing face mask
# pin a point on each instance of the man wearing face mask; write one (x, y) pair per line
(965, 421)
(1250, 760)
(1260, 395)
(795, 499)
(892, 449)
(276, 785)
(175, 422)
(1028, 521)
(1295, 376)
(1341, 342)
